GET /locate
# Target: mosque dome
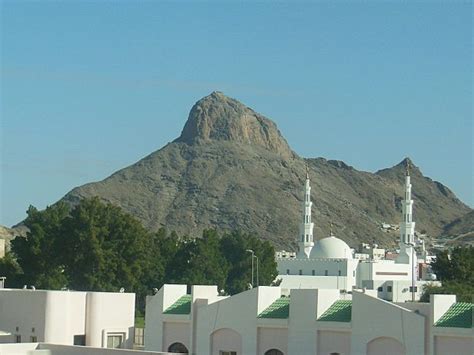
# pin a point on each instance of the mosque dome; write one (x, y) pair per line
(331, 248)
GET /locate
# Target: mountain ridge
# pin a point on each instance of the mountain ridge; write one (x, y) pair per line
(231, 168)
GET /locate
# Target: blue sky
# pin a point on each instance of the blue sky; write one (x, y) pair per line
(90, 87)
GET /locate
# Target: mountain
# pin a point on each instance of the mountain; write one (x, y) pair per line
(9, 233)
(461, 230)
(231, 168)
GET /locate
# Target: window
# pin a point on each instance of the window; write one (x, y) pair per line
(222, 352)
(273, 352)
(287, 271)
(17, 329)
(354, 273)
(313, 272)
(80, 340)
(389, 288)
(33, 339)
(17, 338)
(380, 289)
(339, 273)
(411, 289)
(325, 273)
(33, 329)
(179, 348)
(114, 340)
(301, 272)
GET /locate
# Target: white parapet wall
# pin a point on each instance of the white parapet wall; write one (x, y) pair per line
(67, 317)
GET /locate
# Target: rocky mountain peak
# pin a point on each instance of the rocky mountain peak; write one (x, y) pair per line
(400, 169)
(218, 117)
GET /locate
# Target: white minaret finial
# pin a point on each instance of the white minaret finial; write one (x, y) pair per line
(407, 226)
(305, 240)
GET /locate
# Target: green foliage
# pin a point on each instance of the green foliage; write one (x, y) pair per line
(38, 253)
(199, 262)
(96, 246)
(234, 247)
(463, 291)
(455, 270)
(11, 270)
(105, 248)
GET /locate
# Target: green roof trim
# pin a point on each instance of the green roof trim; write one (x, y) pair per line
(280, 309)
(181, 306)
(340, 311)
(459, 315)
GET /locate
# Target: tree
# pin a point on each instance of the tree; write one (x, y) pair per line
(10, 269)
(38, 252)
(234, 247)
(199, 262)
(463, 291)
(455, 270)
(105, 248)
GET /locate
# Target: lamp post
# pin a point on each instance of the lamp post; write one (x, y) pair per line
(256, 257)
(252, 252)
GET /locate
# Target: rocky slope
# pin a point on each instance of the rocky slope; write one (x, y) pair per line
(232, 169)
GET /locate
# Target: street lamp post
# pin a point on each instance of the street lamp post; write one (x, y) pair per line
(256, 257)
(252, 252)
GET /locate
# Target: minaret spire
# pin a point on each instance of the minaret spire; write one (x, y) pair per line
(407, 226)
(305, 240)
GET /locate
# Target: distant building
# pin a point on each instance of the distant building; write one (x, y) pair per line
(269, 321)
(331, 264)
(97, 319)
(2, 248)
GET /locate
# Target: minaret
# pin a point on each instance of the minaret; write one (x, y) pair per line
(407, 226)
(305, 241)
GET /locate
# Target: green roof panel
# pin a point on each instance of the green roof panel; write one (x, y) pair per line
(280, 309)
(181, 306)
(340, 311)
(459, 315)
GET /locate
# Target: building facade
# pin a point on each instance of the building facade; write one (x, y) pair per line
(267, 321)
(96, 319)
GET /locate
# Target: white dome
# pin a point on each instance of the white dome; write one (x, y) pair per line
(331, 248)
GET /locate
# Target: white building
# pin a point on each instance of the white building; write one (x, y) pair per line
(330, 263)
(96, 319)
(266, 321)
(2, 248)
(54, 349)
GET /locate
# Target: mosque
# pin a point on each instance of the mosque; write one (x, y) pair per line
(331, 264)
(330, 301)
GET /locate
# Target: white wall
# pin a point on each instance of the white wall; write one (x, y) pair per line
(453, 345)
(109, 313)
(373, 318)
(57, 316)
(176, 332)
(304, 308)
(55, 349)
(238, 313)
(64, 316)
(226, 339)
(24, 309)
(330, 341)
(272, 338)
(290, 282)
(333, 266)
